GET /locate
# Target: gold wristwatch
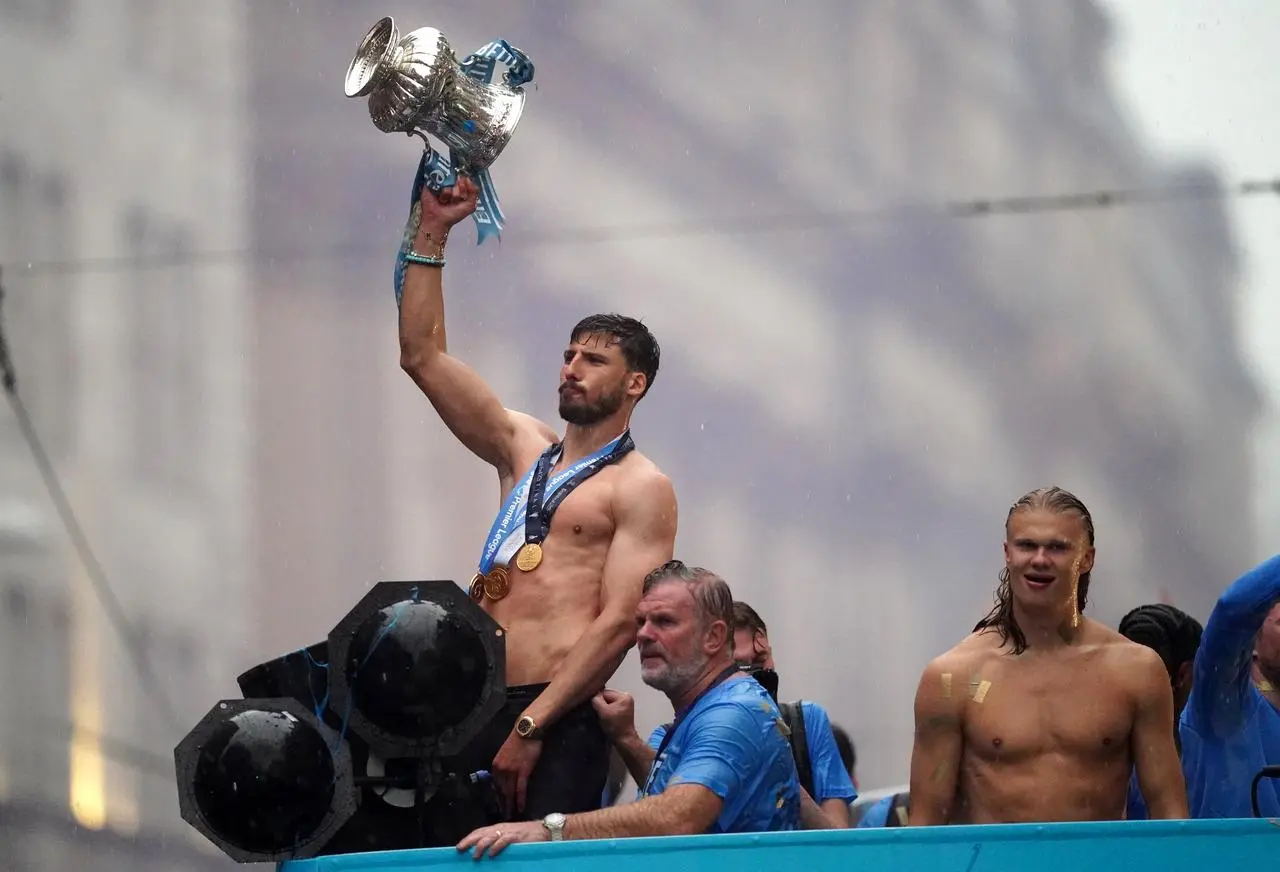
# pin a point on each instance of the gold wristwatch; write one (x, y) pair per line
(527, 729)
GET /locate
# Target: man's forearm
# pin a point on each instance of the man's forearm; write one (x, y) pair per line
(586, 669)
(837, 812)
(1169, 806)
(638, 756)
(815, 817)
(422, 300)
(651, 816)
(925, 811)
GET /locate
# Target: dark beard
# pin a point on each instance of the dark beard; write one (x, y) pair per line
(590, 413)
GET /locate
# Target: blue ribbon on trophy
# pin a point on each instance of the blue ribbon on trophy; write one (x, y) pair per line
(416, 85)
(439, 171)
(436, 171)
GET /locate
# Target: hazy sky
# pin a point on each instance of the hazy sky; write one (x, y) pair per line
(1198, 77)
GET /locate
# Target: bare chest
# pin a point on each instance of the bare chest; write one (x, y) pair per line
(585, 516)
(581, 514)
(1022, 710)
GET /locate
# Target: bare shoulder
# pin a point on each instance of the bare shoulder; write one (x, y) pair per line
(1116, 647)
(977, 648)
(640, 479)
(1137, 666)
(960, 662)
(1130, 667)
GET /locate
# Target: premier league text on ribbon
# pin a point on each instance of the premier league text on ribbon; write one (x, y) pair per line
(534, 501)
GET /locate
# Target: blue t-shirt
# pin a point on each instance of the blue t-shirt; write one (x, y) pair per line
(732, 742)
(830, 779)
(877, 815)
(1229, 730)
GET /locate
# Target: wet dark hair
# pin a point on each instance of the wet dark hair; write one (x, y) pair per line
(746, 618)
(1001, 618)
(1169, 631)
(639, 347)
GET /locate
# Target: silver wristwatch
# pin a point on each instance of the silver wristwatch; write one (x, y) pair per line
(554, 823)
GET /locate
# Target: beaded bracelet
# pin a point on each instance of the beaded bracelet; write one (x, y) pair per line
(413, 257)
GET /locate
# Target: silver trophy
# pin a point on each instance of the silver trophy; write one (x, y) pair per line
(416, 85)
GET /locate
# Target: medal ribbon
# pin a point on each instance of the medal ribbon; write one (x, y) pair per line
(537, 521)
(516, 506)
(436, 171)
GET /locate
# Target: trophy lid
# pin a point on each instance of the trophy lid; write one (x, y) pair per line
(366, 67)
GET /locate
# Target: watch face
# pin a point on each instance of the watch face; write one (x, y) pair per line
(524, 726)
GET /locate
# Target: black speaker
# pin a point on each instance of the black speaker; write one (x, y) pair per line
(346, 745)
(264, 780)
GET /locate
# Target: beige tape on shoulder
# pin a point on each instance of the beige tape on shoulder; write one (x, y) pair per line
(946, 685)
(981, 693)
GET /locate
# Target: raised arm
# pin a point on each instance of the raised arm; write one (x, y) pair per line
(1155, 755)
(1221, 682)
(466, 404)
(939, 745)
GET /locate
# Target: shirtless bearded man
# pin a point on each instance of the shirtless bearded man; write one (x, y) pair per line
(564, 581)
(1043, 714)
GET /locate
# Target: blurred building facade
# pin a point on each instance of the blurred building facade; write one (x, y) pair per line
(847, 404)
(119, 157)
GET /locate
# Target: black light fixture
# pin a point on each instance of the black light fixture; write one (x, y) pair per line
(347, 745)
(264, 780)
(302, 675)
(416, 668)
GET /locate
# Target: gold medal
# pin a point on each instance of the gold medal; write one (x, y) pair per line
(496, 583)
(476, 590)
(529, 556)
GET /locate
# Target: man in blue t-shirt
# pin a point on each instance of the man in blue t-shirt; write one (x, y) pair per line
(820, 767)
(723, 765)
(1230, 728)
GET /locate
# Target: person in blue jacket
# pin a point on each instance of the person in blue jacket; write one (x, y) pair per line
(1230, 728)
(821, 768)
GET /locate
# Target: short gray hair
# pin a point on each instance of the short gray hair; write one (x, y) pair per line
(712, 599)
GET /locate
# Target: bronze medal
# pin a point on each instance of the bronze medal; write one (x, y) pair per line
(476, 590)
(496, 584)
(529, 556)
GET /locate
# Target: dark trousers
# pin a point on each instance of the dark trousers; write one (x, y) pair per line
(571, 771)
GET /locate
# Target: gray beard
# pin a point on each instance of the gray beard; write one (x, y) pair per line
(675, 678)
